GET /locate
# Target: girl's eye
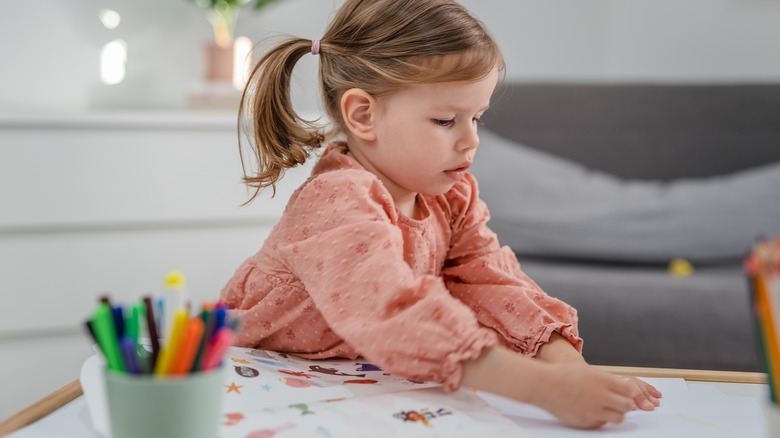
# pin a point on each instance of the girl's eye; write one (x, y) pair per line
(447, 122)
(478, 121)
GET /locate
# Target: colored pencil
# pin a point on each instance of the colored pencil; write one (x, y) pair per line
(762, 267)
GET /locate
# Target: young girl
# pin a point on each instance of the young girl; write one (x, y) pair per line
(384, 251)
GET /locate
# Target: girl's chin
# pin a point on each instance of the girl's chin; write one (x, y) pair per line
(439, 189)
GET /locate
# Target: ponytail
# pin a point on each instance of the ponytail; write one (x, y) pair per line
(279, 137)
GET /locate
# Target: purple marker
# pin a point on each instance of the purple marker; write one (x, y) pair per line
(127, 346)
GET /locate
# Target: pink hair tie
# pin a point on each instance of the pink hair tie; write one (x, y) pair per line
(315, 47)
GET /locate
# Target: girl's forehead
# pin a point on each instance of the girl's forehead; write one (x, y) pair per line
(460, 96)
(470, 65)
(483, 85)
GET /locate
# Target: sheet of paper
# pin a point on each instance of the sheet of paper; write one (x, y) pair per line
(268, 393)
(704, 413)
(415, 413)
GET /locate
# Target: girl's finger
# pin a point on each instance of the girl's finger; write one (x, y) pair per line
(624, 386)
(646, 402)
(620, 403)
(646, 399)
(651, 389)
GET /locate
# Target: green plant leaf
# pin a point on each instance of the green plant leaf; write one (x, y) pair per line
(259, 4)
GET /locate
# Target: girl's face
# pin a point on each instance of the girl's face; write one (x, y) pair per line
(426, 136)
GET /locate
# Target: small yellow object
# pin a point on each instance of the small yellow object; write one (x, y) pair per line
(680, 268)
(175, 280)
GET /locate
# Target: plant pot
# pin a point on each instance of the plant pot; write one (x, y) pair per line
(219, 63)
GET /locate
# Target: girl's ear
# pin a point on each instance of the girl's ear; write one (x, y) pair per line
(358, 109)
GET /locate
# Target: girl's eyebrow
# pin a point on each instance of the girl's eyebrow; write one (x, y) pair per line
(460, 108)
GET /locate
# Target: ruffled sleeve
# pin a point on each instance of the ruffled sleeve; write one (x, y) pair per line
(488, 279)
(346, 249)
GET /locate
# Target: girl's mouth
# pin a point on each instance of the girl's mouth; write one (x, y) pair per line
(458, 172)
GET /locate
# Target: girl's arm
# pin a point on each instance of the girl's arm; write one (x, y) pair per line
(487, 278)
(576, 393)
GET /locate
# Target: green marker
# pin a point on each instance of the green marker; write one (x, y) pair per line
(135, 329)
(131, 323)
(105, 332)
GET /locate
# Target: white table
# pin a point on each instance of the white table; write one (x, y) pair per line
(64, 413)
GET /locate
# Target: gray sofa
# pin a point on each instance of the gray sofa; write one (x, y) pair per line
(598, 187)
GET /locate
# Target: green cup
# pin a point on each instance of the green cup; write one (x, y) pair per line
(147, 406)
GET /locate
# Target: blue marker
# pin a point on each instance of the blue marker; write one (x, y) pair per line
(119, 320)
(161, 329)
(220, 314)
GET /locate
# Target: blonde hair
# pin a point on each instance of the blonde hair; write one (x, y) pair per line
(379, 46)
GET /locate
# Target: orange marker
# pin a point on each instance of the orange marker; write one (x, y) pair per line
(171, 351)
(183, 363)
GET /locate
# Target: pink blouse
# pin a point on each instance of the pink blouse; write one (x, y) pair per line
(343, 274)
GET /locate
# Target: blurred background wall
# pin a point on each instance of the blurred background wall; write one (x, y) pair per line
(50, 49)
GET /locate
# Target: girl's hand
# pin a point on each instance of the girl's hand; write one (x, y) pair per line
(559, 349)
(577, 393)
(648, 396)
(587, 397)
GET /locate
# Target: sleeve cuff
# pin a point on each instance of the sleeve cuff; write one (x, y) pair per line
(568, 331)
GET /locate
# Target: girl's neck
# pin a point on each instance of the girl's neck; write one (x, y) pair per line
(411, 209)
(406, 203)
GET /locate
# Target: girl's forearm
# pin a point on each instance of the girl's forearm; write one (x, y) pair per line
(558, 349)
(501, 371)
(504, 372)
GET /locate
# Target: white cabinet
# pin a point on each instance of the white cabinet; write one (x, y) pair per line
(108, 203)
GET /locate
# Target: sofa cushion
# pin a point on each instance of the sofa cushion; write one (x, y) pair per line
(640, 316)
(648, 131)
(544, 205)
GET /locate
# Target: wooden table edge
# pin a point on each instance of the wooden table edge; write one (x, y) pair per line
(693, 375)
(42, 407)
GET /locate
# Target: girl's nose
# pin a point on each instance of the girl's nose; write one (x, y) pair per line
(469, 139)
